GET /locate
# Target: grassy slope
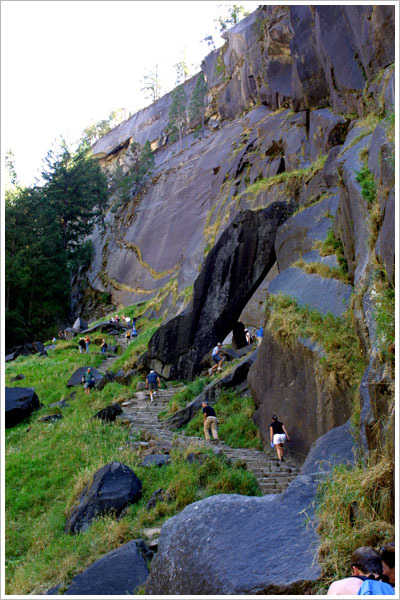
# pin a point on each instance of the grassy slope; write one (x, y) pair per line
(48, 464)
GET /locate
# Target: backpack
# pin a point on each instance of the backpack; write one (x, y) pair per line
(374, 587)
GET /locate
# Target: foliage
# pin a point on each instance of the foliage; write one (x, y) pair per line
(94, 132)
(366, 179)
(151, 85)
(49, 464)
(355, 507)
(177, 114)
(333, 245)
(343, 356)
(198, 102)
(44, 244)
(126, 183)
(234, 13)
(384, 314)
(235, 423)
(182, 71)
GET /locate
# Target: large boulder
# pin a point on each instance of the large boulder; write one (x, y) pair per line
(79, 325)
(118, 573)
(112, 488)
(76, 377)
(232, 271)
(20, 404)
(290, 382)
(227, 544)
(324, 294)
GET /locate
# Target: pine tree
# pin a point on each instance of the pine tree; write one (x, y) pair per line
(177, 114)
(198, 102)
(151, 85)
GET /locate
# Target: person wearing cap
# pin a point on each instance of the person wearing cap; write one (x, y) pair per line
(278, 436)
(152, 383)
(209, 421)
(88, 381)
(218, 357)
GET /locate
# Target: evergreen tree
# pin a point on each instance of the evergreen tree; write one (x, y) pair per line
(132, 181)
(177, 114)
(45, 241)
(235, 13)
(151, 85)
(198, 102)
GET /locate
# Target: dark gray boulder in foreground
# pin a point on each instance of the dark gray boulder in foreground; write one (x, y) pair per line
(119, 572)
(231, 544)
(76, 377)
(20, 404)
(113, 487)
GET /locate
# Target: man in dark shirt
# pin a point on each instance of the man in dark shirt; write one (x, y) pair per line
(278, 436)
(210, 420)
(152, 383)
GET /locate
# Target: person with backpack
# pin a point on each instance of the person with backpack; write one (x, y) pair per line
(278, 436)
(128, 336)
(103, 347)
(152, 383)
(82, 345)
(366, 578)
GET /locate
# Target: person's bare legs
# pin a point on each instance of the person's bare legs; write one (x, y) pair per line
(279, 451)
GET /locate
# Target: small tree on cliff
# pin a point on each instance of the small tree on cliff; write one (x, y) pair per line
(151, 85)
(177, 119)
(198, 102)
(142, 169)
(143, 166)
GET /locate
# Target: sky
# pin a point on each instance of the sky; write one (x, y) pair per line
(68, 64)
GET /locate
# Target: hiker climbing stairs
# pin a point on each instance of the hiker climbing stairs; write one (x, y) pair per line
(272, 477)
(120, 340)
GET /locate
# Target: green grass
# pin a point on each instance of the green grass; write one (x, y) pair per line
(355, 508)
(235, 424)
(322, 270)
(48, 464)
(343, 355)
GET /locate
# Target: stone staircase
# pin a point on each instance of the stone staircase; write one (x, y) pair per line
(272, 477)
(107, 364)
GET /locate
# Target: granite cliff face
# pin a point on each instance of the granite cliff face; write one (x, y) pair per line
(294, 179)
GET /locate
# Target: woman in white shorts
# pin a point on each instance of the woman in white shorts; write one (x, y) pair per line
(278, 436)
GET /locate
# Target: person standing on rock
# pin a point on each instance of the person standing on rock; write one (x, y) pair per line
(103, 347)
(152, 383)
(209, 421)
(218, 357)
(88, 381)
(278, 436)
(259, 335)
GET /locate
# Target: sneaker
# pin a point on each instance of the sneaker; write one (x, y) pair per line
(219, 369)
(210, 371)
